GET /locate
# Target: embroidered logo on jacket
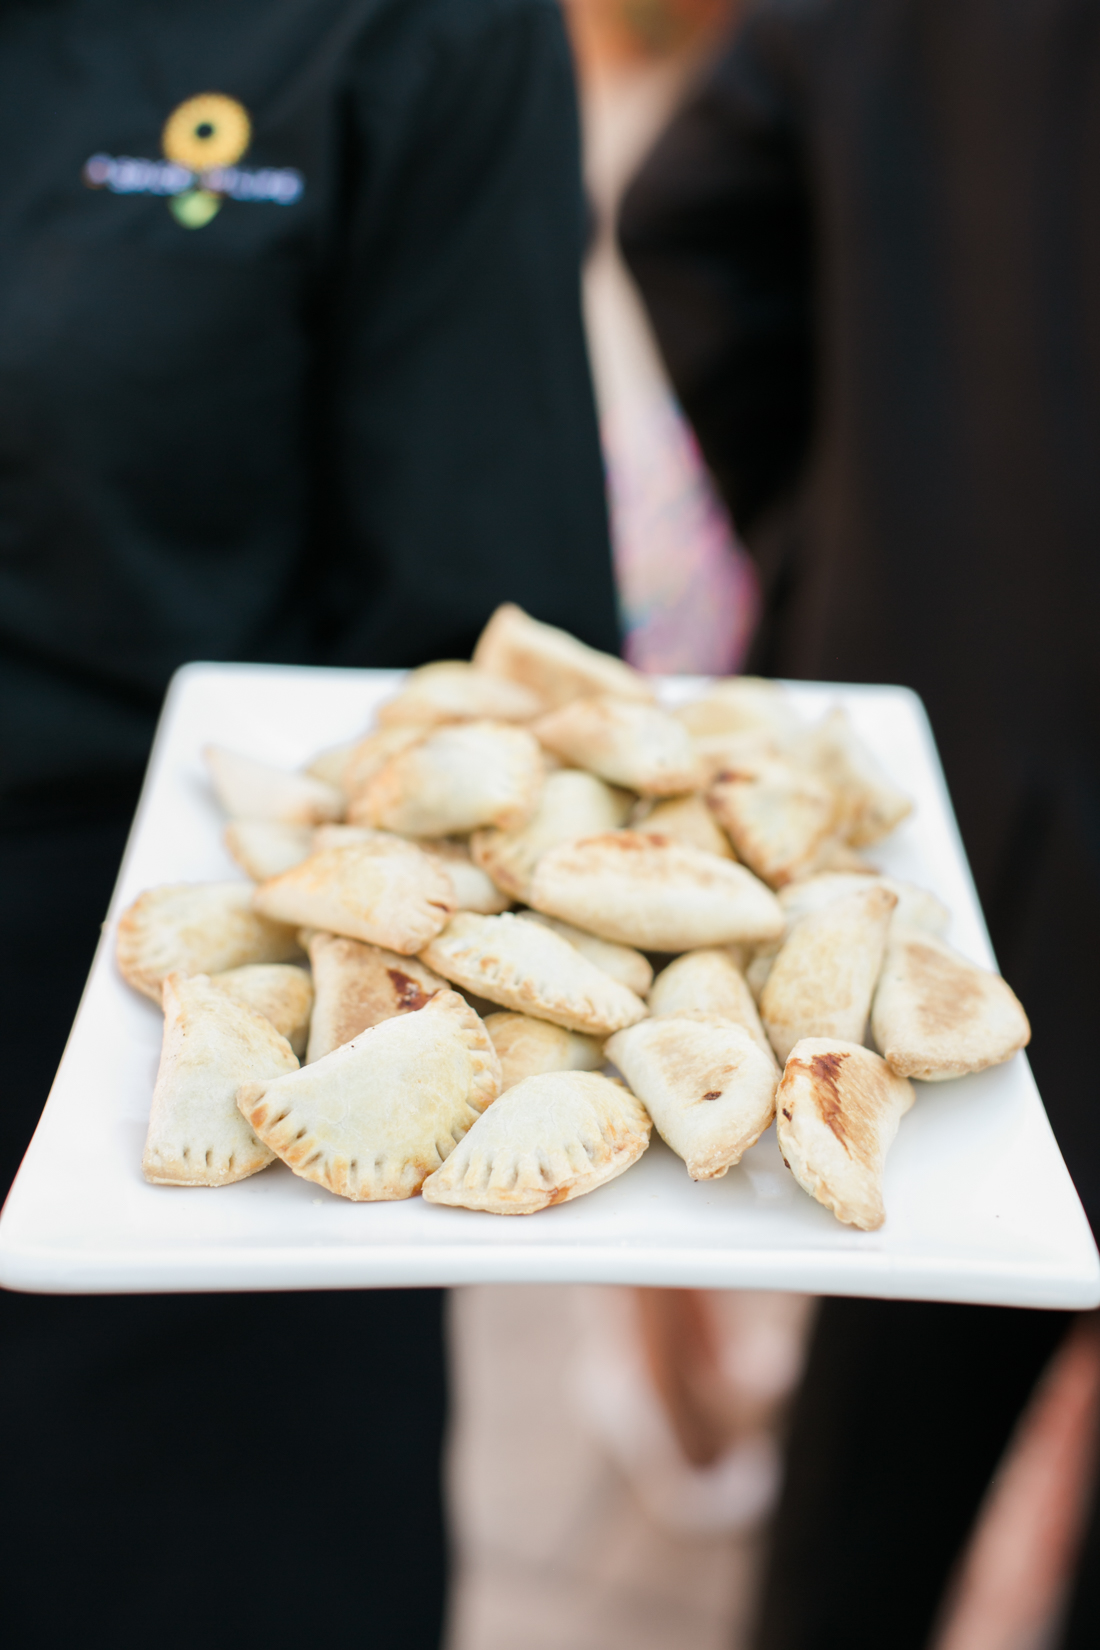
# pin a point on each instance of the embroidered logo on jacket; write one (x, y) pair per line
(203, 139)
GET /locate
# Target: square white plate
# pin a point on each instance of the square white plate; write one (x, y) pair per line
(980, 1206)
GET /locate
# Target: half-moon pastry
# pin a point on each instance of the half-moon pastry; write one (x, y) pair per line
(547, 1140)
(870, 804)
(916, 907)
(709, 1088)
(710, 984)
(529, 968)
(370, 754)
(936, 1015)
(550, 662)
(357, 986)
(778, 817)
(264, 848)
(837, 1112)
(373, 1118)
(530, 1048)
(686, 819)
(196, 928)
(280, 992)
(742, 705)
(823, 979)
(622, 962)
(384, 890)
(626, 743)
(653, 893)
(573, 804)
(462, 776)
(452, 691)
(248, 789)
(212, 1044)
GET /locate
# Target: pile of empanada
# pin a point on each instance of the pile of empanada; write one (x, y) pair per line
(454, 925)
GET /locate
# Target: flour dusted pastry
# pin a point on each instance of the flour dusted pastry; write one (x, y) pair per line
(742, 705)
(374, 1117)
(547, 1140)
(916, 907)
(196, 928)
(936, 1015)
(474, 889)
(823, 979)
(707, 983)
(370, 755)
(453, 691)
(264, 848)
(526, 967)
(358, 986)
(212, 1044)
(653, 893)
(460, 777)
(625, 742)
(248, 789)
(622, 962)
(331, 764)
(383, 890)
(550, 662)
(280, 992)
(709, 1088)
(778, 817)
(837, 1112)
(686, 819)
(530, 1048)
(573, 804)
(870, 804)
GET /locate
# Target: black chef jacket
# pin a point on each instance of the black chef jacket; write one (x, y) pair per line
(337, 421)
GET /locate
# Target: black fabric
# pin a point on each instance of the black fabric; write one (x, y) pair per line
(335, 431)
(900, 1421)
(222, 1470)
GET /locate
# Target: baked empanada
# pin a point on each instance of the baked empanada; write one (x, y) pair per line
(823, 979)
(462, 776)
(626, 743)
(378, 1114)
(280, 992)
(686, 819)
(547, 1140)
(707, 983)
(474, 888)
(530, 1048)
(263, 848)
(526, 967)
(653, 893)
(742, 705)
(331, 764)
(837, 1112)
(384, 891)
(573, 804)
(370, 755)
(357, 986)
(622, 962)
(936, 1015)
(212, 1044)
(778, 818)
(196, 928)
(550, 662)
(708, 1087)
(453, 691)
(871, 805)
(248, 789)
(916, 907)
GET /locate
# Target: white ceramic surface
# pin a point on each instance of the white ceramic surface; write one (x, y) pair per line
(980, 1206)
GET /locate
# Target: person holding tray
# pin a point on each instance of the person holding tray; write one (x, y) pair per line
(291, 369)
(868, 246)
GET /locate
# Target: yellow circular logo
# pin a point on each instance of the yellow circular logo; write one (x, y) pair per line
(208, 130)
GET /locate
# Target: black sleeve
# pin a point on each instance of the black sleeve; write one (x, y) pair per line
(716, 230)
(461, 439)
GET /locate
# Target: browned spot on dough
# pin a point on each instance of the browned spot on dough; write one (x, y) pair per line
(824, 1071)
(947, 993)
(558, 1197)
(713, 1094)
(410, 994)
(786, 1114)
(786, 1165)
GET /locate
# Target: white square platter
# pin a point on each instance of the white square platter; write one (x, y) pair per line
(980, 1206)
